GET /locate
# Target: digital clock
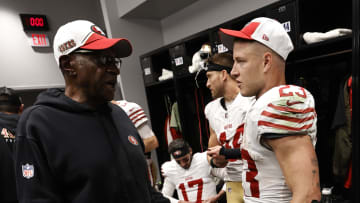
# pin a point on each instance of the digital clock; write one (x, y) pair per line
(34, 22)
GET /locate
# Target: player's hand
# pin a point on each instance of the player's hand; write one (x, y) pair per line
(210, 200)
(220, 161)
(214, 151)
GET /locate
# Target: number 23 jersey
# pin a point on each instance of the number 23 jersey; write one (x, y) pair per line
(285, 110)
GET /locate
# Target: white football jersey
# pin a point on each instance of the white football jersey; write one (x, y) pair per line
(284, 110)
(134, 111)
(193, 184)
(228, 125)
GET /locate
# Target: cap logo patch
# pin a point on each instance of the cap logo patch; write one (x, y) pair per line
(97, 30)
(264, 37)
(67, 45)
(177, 153)
(27, 171)
(133, 140)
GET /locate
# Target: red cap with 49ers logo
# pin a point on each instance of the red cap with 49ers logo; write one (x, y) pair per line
(267, 31)
(86, 35)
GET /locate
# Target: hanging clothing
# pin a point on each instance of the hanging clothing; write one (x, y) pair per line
(175, 118)
(342, 126)
(171, 133)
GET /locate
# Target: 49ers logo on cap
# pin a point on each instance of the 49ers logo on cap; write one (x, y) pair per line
(133, 140)
(97, 30)
(67, 45)
(265, 37)
(177, 153)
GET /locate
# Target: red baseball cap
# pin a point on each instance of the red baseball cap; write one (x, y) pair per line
(267, 31)
(86, 35)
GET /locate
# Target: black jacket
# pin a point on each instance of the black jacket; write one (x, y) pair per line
(68, 152)
(8, 124)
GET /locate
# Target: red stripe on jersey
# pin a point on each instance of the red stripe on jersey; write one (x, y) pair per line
(137, 120)
(137, 116)
(269, 124)
(135, 112)
(286, 118)
(291, 110)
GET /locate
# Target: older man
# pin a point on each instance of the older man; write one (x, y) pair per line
(74, 145)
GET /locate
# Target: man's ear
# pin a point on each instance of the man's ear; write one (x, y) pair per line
(64, 61)
(65, 65)
(267, 61)
(224, 73)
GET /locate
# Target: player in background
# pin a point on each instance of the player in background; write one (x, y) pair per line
(278, 148)
(190, 174)
(11, 107)
(140, 120)
(226, 119)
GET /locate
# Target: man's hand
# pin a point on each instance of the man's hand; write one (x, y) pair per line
(218, 160)
(214, 151)
(210, 200)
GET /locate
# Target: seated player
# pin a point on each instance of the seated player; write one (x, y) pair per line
(191, 175)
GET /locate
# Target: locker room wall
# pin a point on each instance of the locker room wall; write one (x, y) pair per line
(23, 67)
(204, 14)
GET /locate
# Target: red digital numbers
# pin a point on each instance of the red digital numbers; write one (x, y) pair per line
(36, 22)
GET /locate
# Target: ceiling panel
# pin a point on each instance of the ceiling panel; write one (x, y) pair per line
(158, 9)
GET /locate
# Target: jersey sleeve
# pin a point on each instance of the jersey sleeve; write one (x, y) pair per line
(168, 169)
(289, 115)
(209, 112)
(137, 115)
(168, 190)
(145, 131)
(134, 112)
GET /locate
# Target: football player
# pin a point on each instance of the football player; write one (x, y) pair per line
(278, 148)
(226, 115)
(190, 174)
(139, 119)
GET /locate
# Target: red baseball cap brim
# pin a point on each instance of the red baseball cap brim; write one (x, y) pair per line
(121, 46)
(227, 36)
(236, 33)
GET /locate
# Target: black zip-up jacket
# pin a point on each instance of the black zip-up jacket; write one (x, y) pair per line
(8, 124)
(70, 153)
